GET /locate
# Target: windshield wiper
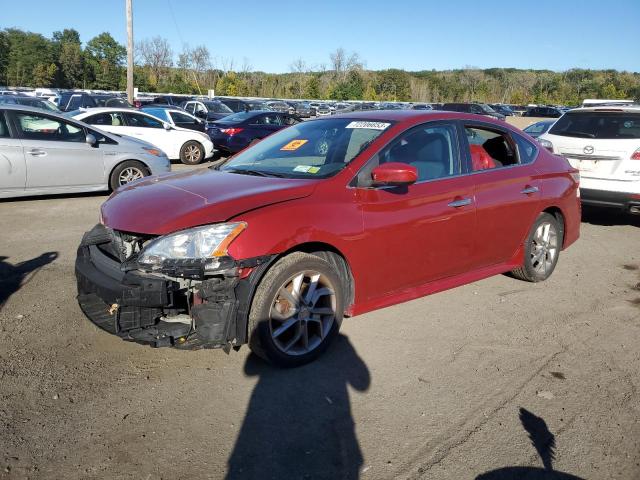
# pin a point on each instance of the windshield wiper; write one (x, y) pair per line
(257, 173)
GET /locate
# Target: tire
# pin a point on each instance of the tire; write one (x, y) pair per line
(278, 327)
(541, 249)
(127, 172)
(191, 153)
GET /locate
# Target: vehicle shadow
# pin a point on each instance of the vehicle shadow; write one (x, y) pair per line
(14, 277)
(298, 423)
(545, 444)
(608, 217)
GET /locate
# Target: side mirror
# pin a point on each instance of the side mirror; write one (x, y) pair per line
(166, 126)
(394, 174)
(91, 140)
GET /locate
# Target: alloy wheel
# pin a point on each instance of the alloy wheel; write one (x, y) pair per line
(302, 313)
(192, 153)
(129, 174)
(544, 248)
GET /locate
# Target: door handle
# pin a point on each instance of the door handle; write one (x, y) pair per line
(36, 153)
(528, 190)
(459, 203)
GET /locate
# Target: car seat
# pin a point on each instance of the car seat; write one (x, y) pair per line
(480, 159)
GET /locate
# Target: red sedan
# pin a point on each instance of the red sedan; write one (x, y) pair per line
(325, 219)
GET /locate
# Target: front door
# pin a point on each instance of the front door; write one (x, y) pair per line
(423, 232)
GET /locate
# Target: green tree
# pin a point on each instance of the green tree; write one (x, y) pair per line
(312, 88)
(44, 75)
(105, 57)
(26, 51)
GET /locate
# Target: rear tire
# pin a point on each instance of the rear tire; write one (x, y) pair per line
(541, 249)
(127, 172)
(191, 153)
(296, 311)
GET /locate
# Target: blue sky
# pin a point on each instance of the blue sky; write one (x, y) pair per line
(409, 34)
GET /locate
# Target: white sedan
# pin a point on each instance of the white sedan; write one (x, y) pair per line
(188, 146)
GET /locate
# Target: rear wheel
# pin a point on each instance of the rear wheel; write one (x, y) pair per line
(541, 251)
(127, 172)
(191, 153)
(296, 311)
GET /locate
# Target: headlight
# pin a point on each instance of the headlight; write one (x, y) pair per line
(154, 151)
(194, 243)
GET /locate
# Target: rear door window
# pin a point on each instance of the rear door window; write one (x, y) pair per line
(107, 119)
(490, 149)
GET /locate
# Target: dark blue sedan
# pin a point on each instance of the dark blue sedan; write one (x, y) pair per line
(236, 132)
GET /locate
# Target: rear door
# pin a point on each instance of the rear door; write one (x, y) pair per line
(13, 168)
(56, 153)
(506, 190)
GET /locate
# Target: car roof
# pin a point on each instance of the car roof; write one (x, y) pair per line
(608, 108)
(26, 108)
(415, 116)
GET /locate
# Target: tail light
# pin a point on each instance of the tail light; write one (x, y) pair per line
(636, 155)
(546, 144)
(231, 131)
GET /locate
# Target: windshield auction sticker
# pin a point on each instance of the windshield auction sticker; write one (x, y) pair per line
(369, 125)
(293, 145)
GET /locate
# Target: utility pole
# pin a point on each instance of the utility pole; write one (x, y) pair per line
(129, 52)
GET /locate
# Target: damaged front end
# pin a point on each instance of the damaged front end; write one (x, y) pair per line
(184, 302)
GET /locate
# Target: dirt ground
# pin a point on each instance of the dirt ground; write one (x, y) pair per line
(497, 379)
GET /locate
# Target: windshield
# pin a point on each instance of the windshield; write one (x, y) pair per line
(539, 127)
(315, 149)
(487, 108)
(218, 107)
(604, 125)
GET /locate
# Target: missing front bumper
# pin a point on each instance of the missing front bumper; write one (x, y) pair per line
(159, 310)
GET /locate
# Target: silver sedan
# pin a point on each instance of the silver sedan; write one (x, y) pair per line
(45, 153)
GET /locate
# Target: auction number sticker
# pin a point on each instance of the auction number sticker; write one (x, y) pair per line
(369, 125)
(293, 145)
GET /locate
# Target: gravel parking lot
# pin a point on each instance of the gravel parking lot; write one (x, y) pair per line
(493, 379)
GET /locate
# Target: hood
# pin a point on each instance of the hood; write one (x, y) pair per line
(163, 204)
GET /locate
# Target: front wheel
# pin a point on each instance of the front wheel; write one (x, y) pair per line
(296, 311)
(191, 153)
(127, 172)
(541, 249)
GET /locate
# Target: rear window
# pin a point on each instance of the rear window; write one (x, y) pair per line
(603, 125)
(238, 117)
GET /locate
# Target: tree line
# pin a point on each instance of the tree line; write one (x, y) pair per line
(32, 60)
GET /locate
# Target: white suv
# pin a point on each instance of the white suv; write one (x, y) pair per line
(604, 144)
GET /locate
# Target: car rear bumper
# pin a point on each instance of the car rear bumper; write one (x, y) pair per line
(158, 310)
(610, 193)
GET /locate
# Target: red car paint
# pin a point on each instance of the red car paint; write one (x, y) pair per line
(398, 247)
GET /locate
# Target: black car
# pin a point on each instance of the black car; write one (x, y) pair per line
(70, 101)
(207, 110)
(239, 130)
(476, 108)
(503, 109)
(303, 109)
(235, 104)
(545, 112)
(173, 100)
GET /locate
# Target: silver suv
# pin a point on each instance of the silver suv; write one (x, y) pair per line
(45, 153)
